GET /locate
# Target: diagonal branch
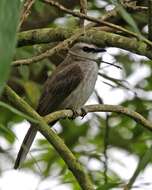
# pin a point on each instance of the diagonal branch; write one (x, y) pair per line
(99, 21)
(26, 11)
(57, 142)
(143, 162)
(72, 163)
(132, 5)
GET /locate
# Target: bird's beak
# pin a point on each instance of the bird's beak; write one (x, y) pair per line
(98, 50)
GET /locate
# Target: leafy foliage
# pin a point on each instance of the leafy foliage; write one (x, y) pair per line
(87, 137)
(8, 10)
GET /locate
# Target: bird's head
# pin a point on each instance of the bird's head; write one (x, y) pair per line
(85, 50)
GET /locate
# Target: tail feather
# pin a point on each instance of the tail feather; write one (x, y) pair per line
(26, 144)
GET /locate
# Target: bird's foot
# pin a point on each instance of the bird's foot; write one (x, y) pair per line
(79, 112)
(76, 113)
(83, 112)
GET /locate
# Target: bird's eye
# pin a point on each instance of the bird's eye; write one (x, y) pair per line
(87, 49)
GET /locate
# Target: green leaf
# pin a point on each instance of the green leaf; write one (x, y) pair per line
(73, 131)
(107, 186)
(32, 91)
(9, 17)
(12, 109)
(126, 16)
(7, 133)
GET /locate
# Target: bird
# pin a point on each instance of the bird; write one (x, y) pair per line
(68, 87)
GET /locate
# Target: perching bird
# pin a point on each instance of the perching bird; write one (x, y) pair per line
(69, 86)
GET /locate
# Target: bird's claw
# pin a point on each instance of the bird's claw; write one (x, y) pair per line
(83, 112)
(75, 114)
(79, 112)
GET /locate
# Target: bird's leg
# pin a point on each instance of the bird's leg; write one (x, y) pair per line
(79, 112)
(76, 113)
(83, 112)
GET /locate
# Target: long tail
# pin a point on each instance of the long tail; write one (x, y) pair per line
(26, 144)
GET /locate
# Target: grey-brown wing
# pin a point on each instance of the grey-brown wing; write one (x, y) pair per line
(58, 87)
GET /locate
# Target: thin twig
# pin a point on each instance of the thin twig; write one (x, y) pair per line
(132, 6)
(26, 11)
(80, 15)
(99, 97)
(118, 82)
(143, 162)
(83, 10)
(106, 142)
(111, 64)
(137, 8)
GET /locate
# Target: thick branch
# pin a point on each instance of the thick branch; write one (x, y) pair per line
(41, 36)
(54, 139)
(62, 46)
(95, 36)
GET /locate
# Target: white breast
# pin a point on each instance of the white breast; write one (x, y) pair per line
(83, 91)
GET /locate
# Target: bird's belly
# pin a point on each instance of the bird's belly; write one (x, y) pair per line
(83, 91)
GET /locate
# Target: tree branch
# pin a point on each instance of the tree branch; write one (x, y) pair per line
(142, 163)
(57, 142)
(101, 108)
(132, 6)
(83, 10)
(99, 21)
(94, 36)
(26, 11)
(72, 163)
(63, 45)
